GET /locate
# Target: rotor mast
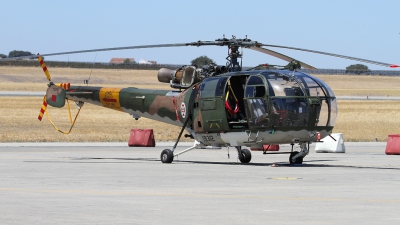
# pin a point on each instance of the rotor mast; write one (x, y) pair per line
(233, 45)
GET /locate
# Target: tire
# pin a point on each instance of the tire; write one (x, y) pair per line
(167, 156)
(245, 157)
(297, 161)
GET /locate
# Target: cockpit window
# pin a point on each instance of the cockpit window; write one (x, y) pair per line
(283, 85)
(254, 80)
(312, 88)
(325, 86)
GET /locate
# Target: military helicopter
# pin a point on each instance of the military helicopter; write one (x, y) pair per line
(223, 106)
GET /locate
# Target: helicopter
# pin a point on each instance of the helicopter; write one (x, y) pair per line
(223, 106)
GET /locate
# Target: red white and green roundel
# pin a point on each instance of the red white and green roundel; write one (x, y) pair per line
(183, 110)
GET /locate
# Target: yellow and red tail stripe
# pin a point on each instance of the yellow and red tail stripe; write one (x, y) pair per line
(66, 86)
(42, 110)
(43, 65)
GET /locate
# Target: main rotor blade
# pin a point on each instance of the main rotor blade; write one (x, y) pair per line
(334, 55)
(104, 49)
(280, 56)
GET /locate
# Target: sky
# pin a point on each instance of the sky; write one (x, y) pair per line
(366, 29)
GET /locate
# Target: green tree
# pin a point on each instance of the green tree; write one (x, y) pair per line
(201, 61)
(3, 56)
(17, 53)
(127, 61)
(357, 68)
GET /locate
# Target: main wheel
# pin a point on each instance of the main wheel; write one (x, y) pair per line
(297, 160)
(167, 156)
(245, 157)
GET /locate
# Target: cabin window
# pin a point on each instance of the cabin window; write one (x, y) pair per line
(257, 109)
(284, 86)
(327, 89)
(254, 80)
(312, 88)
(289, 106)
(212, 87)
(334, 112)
(323, 115)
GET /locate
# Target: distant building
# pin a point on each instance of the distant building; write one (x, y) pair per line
(143, 61)
(120, 60)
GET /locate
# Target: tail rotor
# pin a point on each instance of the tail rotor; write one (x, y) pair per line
(47, 73)
(55, 94)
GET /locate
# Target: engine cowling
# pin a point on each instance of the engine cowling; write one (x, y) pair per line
(181, 78)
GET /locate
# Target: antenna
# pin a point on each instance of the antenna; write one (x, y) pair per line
(87, 81)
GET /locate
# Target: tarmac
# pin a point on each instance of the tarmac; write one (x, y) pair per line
(111, 183)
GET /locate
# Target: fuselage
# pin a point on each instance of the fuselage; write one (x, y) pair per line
(246, 108)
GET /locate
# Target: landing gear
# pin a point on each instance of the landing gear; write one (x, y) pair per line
(244, 155)
(167, 156)
(297, 157)
(297, 160)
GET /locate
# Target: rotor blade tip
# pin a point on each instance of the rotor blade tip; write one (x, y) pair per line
(394, 66)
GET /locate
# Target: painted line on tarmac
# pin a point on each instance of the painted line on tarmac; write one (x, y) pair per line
(369, 98)
(22, 93)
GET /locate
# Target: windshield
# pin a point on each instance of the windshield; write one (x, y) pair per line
(303, 84)
(283, 85)
(288, 91)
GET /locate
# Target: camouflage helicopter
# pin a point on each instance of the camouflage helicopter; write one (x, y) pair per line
(224, 106)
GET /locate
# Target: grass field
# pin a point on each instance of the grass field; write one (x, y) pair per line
(19, 123)
(33, 78)
(358, 120)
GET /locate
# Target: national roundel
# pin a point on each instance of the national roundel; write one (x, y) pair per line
(183, 110)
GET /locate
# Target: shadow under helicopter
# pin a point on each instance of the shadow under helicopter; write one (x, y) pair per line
(306, 164)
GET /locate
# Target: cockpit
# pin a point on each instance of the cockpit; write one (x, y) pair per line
(265, 99)
(293, 95)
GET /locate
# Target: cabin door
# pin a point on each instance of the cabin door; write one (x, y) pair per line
(210, 111)
(255, 101)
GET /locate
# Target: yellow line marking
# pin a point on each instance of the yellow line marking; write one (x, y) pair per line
(284, 178)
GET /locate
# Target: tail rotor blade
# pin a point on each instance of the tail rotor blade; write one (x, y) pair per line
(44, 67)
(42, 110)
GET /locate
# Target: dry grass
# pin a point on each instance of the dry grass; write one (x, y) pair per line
(367, 92)
(358, 120)
(367, 120)
(33, 78)
(363, 85)
(19, 123)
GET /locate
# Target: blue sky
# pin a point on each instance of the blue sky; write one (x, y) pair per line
(365, 29)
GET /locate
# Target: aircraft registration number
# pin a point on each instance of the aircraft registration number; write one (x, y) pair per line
(210, 137)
